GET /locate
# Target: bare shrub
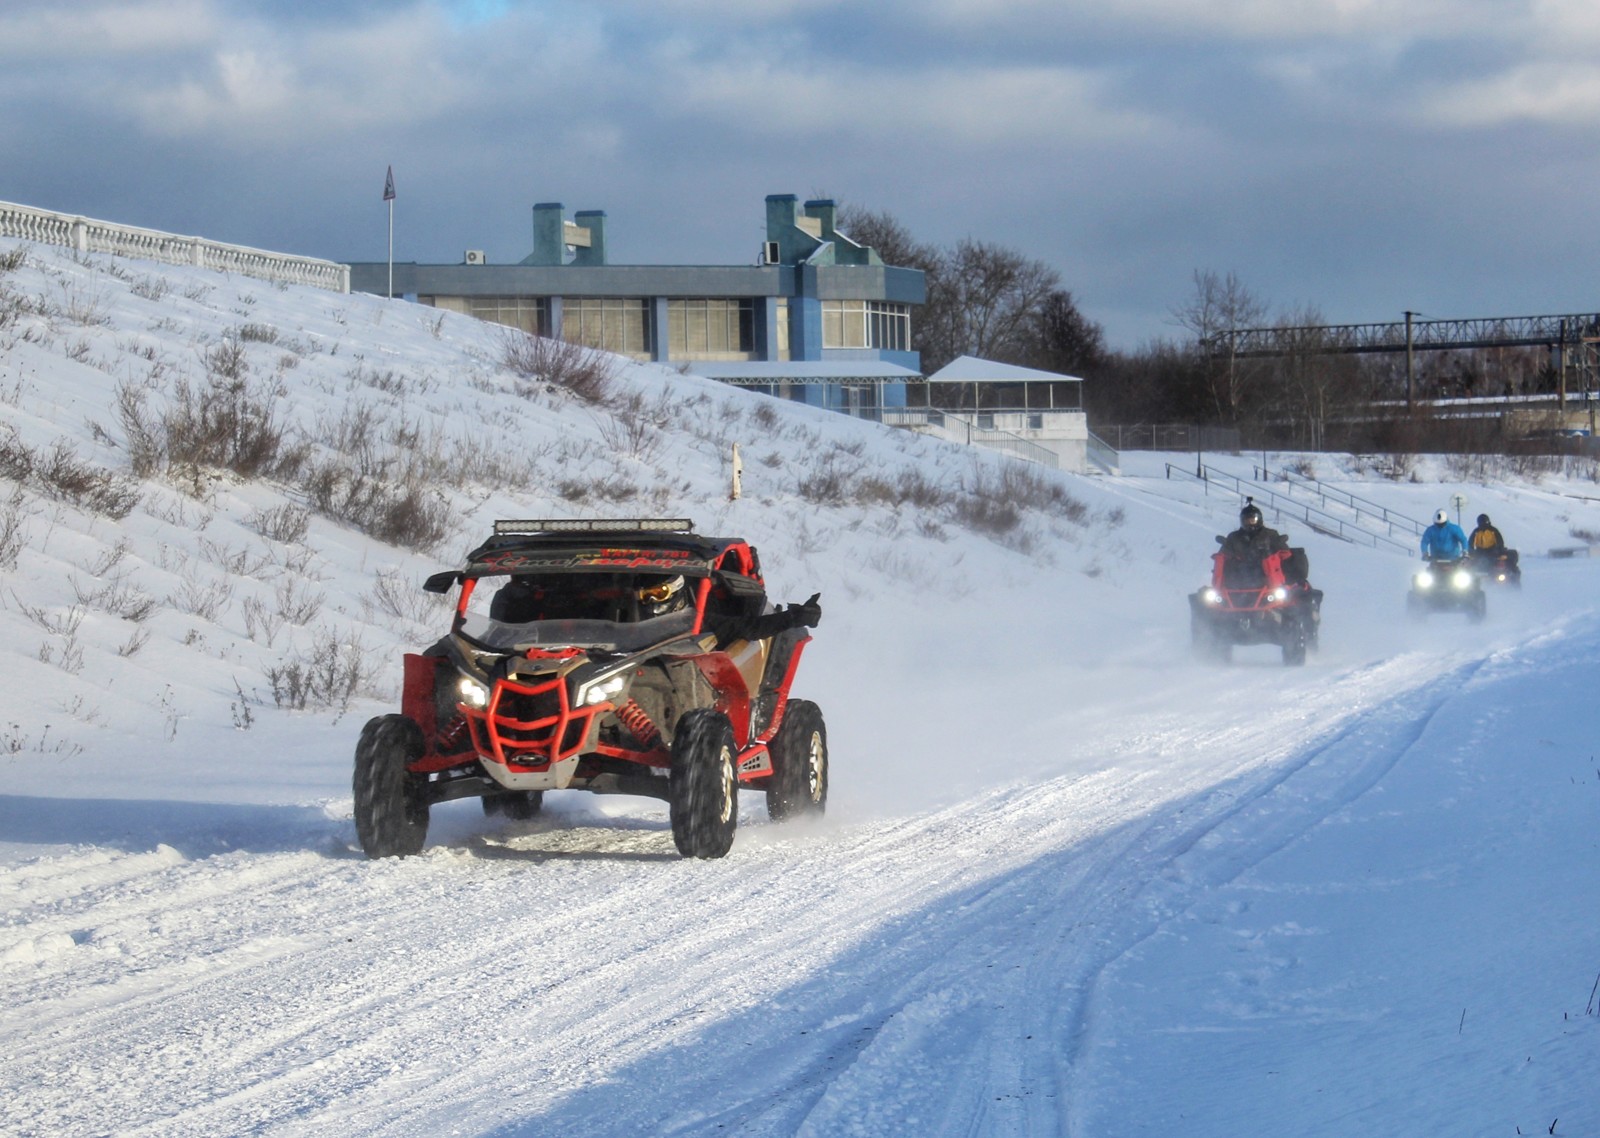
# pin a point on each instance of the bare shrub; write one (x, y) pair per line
(260, 623)
(297, 602)
(634, 428)
(404, 513)
(146, 442)
(13, 259)
(327, 675)
(62, 475)
(395, 597)
(117, 597)
(287, 523)
(13, 535)
(987, 515)
(151, 288)
(227, 425)
(239, 562)
(258, 333)
(138, 640)
(764, 415)
(81, 306)
(583, 372)
(202, 600)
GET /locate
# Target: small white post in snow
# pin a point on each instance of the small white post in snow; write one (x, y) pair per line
(738, 470)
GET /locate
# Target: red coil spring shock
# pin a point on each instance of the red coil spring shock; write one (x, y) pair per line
(633, 717)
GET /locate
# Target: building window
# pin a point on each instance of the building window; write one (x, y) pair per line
(612, 323)
(530, 313)
(710, 329)
(866, 324)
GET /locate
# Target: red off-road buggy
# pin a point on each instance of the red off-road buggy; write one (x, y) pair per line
(558, 675)
(1270, 602)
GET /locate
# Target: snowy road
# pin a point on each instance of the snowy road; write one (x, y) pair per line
(929, 974)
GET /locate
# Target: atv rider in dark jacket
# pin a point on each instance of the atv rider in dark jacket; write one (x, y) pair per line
(1486, 545)
(1250, 544)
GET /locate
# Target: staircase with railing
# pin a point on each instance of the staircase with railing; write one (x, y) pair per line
(1316, 518)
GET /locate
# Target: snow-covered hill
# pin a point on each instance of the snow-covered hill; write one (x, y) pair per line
(1069, 882)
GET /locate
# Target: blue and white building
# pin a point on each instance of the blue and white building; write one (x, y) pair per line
(816, 317)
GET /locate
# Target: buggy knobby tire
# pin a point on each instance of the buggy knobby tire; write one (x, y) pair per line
(799, 782)
(391, 806)
(518, 805)
(703, 791)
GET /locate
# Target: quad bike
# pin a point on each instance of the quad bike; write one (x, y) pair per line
(1501, 568)
(1446, 586)
(565, 680)
(1269, 602)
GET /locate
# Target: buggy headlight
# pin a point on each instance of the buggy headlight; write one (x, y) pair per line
(602, 690)
(1462, 579)
(472, 693)
(1211, 597)
(1278, 594)
(1424, 580)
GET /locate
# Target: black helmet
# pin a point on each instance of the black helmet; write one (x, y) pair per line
(660, 595)
(1250, 516)
(1483, 519)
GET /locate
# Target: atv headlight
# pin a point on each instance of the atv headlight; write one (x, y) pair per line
(1211, 597)
(602, 690)
(1278, 594)
(1462, 579)
(1424, 580)
(472, 693)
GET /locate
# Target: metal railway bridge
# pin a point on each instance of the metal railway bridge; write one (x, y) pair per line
(1573, 339)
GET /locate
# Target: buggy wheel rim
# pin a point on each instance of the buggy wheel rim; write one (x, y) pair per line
(729, 786)
(814, 760)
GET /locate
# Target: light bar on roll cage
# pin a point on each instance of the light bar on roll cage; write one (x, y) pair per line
(593, 525)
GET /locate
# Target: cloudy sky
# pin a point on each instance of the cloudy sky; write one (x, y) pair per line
(1360, 156)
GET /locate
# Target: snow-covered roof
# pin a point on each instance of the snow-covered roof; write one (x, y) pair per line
(970, 369)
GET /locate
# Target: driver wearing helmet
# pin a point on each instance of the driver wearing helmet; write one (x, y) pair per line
(1486, 541)
(658, 596)
(1248, 546)
(661, 595)
(1253, 540)
(1443, 540)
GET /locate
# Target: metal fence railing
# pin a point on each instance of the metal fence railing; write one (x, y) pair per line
(86, 235)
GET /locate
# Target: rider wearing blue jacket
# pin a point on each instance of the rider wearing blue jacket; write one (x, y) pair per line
(1443, 540)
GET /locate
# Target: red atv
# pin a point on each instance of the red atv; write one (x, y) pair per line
(1266, 602)
(620, 657)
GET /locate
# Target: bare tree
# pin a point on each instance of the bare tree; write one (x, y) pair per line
(882, 231)
(1223, 304)
(1066, 340)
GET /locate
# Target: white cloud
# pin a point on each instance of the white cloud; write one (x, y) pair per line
(969, 105)
(106, 30)
(1243, 19)
(1559, 93)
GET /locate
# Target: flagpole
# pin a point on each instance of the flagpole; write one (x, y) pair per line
(388, 196)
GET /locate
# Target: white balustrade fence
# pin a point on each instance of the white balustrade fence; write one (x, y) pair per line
(86, 235)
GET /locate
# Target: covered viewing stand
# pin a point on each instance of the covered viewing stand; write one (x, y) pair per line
(971, 385)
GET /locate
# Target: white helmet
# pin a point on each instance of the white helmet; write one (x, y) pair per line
(1440, 517)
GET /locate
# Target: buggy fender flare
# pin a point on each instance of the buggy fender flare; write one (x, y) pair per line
(791, 666)
(733, 698)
